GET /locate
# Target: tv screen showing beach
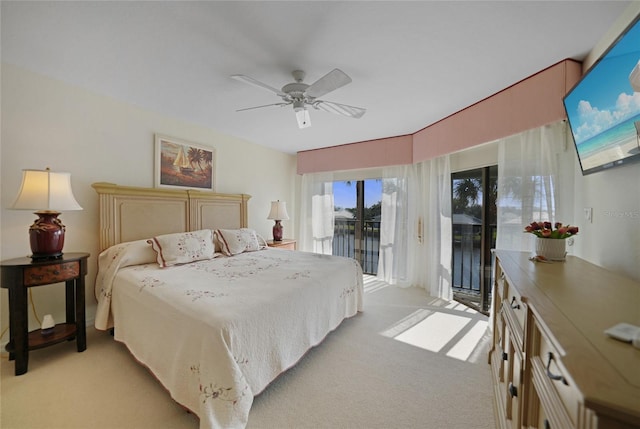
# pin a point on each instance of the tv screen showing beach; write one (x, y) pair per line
(604, 107)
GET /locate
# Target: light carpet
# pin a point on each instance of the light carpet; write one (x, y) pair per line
(407, 361)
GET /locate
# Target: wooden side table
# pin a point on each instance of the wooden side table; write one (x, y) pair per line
(22, 273)
(285, 243)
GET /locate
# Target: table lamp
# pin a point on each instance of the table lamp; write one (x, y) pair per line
(278, 212)
(48, 193)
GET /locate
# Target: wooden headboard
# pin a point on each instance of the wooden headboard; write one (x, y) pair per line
(129, 213)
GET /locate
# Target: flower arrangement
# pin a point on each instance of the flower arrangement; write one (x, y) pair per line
(545, 230)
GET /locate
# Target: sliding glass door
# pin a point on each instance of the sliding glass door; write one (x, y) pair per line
(357, 221)
(474, 234)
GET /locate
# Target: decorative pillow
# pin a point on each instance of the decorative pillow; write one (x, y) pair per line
(235, 241)
(183, 247)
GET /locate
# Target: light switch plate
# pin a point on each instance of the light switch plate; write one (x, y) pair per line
(588, 212)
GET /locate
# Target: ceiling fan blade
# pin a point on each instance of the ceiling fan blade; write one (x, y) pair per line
(257, 83)
(340, 109)
(333, 80)
(265, 105)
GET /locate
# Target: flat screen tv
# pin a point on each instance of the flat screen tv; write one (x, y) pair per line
(603, 108)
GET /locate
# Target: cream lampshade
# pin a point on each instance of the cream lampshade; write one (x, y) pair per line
(278, 212)
(48, 193)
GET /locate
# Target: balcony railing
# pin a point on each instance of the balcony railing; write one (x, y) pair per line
(466, 257)
(466, 262)
(366, 250)
(466, 250)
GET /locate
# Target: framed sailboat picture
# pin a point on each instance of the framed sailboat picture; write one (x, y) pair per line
(183, 164)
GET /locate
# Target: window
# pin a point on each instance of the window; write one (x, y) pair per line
(357, 221)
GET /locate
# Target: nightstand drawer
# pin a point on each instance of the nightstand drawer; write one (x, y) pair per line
(46, 274)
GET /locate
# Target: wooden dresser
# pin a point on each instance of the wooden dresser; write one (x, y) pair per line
(552, 365)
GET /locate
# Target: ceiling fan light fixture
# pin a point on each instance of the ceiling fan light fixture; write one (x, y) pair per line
(302, 95)
(302, 115)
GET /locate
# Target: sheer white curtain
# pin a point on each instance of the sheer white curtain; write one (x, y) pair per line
(398, 226)
(435, 176)
(528, 182)
(415, 227)
(316, 212)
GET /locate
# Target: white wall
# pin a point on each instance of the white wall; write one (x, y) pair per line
(47, 123)
(612, 240)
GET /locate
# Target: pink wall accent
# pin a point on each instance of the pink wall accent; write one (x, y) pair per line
(530, 103)
(367, 154)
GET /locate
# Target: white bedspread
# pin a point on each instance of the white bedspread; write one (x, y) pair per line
(217, 332)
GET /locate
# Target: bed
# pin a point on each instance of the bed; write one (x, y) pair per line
(217, 326)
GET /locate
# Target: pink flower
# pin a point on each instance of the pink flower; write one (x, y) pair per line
(546, 230)
(535, 226)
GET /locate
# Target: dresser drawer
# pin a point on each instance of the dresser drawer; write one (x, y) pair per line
(513, 301)
(559, 397)
(514, 386)
(556, 409)
(41, 275)
(499, 281)
(505, 347)
(500, 337)
(498, 391)
(538, 416)
(513, 312)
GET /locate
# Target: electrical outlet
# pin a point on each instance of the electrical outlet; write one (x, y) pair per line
(588, 212)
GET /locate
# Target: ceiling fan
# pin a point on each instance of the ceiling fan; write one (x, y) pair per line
(302, 95)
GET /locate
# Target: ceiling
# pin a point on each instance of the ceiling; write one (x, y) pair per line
(412, 63)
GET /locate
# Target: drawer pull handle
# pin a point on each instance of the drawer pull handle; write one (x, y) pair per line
(513, 390)
(552, 375)
(515, 307)
(56, 272)
(505, 356)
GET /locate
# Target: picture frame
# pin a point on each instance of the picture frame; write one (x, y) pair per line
(183, 165)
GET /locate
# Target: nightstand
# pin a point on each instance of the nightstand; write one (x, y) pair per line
(22, 273)
(285, 243)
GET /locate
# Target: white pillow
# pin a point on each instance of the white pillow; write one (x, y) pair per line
(183, 247)
(235, 241)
